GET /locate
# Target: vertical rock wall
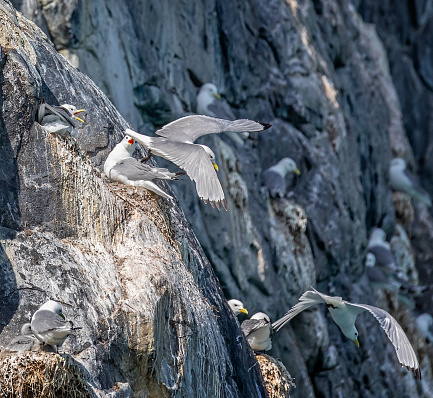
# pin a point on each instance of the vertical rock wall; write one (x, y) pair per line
(320, 75)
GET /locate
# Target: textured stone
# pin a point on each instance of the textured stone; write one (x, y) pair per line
(320, 75)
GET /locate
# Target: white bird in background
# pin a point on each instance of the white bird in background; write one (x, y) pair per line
(210, 103)
(258, 332)
(121, 166)
(377, 278)
(403, 180)
(424, 324)
(381, 250)
(50, 326)
(237, 307)
(59, 119)
(344, 315)
(176, 143)
(274, 177)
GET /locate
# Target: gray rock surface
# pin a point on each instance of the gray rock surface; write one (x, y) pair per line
(320, 75)
(126, 266)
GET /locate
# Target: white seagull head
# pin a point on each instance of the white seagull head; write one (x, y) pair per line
(398, 163)
(211, 155)
(237, 306)
(53, 306)
(72, 110)
(210, 89)
(289, 165)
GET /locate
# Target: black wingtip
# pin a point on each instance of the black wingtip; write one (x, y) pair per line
(265, 125)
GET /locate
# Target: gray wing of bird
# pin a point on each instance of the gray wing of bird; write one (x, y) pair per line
(405, 353)
(275, 183)
(45, 109)
(195, 161)
(45, 321)
(136, 171)
(220, 108)
(307, 300)
(189, 128)
(251, 325)
(417, 189)
(384, 258)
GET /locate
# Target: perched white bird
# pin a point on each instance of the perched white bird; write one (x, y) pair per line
(258, 332)
(237, 307)
(403, 180)
(59, 119)
(50, 326)
(377, 278)
(424, 324)
(344, 315)
(381, 250)
(26, 341)
(210, 103)
(274, 177)
(121, 166)
(176, 143)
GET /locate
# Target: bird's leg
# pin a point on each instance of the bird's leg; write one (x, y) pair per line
(146, 158)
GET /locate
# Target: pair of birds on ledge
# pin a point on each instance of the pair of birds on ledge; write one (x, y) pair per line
(175, 143)
(259, 330)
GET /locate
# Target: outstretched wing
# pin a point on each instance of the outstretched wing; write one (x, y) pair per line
(197, 164)
(189, 128)
(405, 353)
(307, 300)
(136, 171)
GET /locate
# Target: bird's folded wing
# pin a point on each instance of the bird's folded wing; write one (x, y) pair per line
(384, 257)
(45, 321)
(195, 161)
(220, 108)
(136, 171)
(45, 109)
(307, 300)
(189, 128)
(251, 325)
(405, 353)
(275, 183)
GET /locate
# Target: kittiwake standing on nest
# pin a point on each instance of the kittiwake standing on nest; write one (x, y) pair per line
(50, 326)
(275, 177)
(381, 249)
(210, 103)
(237, 307)
(344, 315)
(176, 143)
(424, 324)
(258, 332)
(377, 278)
(59, 119)
(121, 166)
(403, 180)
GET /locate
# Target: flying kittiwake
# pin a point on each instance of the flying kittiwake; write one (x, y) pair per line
(121, 166)
(210, 103)
(176, 143)
(344, 315)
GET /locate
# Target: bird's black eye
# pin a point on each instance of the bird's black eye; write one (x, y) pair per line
(356, 334)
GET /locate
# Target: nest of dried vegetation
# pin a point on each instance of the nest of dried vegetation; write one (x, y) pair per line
(42, 375)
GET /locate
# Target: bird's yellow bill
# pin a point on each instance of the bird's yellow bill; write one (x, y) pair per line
(215, 165)
(297, 172)
(62, 316)
(244, 310)
(216, 95)
(356, 342)
(76, 117)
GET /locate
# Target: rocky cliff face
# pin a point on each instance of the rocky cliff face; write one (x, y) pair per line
(314, 70)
